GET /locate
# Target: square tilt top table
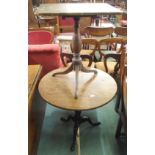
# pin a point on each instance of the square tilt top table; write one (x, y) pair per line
(76, 10)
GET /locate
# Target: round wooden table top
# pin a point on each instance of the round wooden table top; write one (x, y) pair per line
(93, 90)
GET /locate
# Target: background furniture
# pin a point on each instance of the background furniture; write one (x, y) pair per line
(120, 31)
(42, 51)
(34, 74)
(107, 56)
(48, 55)
(40, 36)
(67, 58)
(58, 91)
(122, 122)
(89, 46)
(64, 40)
(99, 32)
(67, 24)
(121, 104)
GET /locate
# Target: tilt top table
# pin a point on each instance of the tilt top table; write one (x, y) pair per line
(76, 10)
(95, 90)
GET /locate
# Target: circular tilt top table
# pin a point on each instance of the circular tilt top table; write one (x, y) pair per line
(95, 90)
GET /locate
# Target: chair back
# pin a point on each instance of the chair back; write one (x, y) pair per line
(121, 102)
(112, 44)
(99, 31)
(123, 66)
(68, 57)
(89, 43)
(40, 36)
(121, 31)
(123, 87)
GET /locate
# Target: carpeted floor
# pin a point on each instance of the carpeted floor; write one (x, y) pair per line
(56, 136)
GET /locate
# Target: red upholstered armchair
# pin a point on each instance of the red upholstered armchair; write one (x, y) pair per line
(48, 55)
(42, 51)
(40, 36)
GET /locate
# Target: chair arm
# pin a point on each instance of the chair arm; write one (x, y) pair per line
(48, 48)
(89, 57)
(115, 56)
(48, 55)
(70, 56)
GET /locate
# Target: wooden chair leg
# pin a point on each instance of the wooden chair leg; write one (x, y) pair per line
(119, 127)
(118, 99)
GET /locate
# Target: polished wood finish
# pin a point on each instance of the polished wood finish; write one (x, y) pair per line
(125, 92)
(87, 43)
(76, 40)
(89, 46)
(110, 46)
(77, 9)
(50, 20)
(34, 73)
(99, 31)
(50, 29)
(120, 31)
(67, 59)
(31, 16)
(94, 90)
(121, 105)
(76, 61)
(112, 43)
(123, 76)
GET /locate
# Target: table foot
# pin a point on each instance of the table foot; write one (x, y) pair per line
(87, 119)
(68, 70)
(78, 119)
(70, 117)
(83, 69)
(71, 68)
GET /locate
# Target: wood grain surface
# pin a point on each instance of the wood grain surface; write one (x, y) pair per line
(94, 90)
(77, 9)
(34, 72)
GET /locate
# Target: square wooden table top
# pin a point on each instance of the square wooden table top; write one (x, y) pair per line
(76, 9)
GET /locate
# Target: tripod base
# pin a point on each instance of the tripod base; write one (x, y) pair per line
(76, 66)
(78, 119)
(71, 68)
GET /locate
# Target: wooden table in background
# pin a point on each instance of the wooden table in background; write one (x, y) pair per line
(34, 73)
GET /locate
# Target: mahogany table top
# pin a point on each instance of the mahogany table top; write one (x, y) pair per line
(76, 9)
(94, 90)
